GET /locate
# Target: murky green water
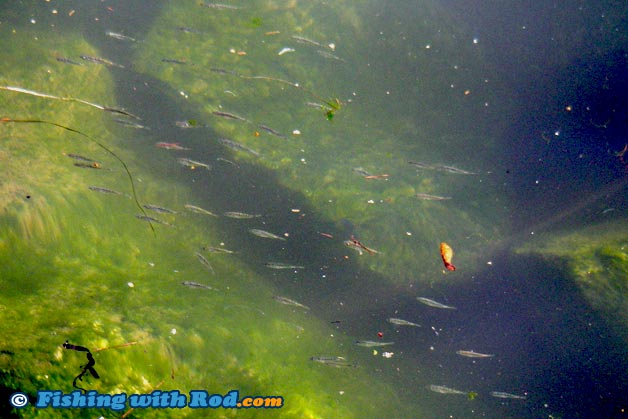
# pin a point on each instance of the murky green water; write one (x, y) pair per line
(326, 105)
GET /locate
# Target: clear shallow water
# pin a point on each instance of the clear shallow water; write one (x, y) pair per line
(404, 97)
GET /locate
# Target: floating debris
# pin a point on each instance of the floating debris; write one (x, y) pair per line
(285, 50)
(446, 253)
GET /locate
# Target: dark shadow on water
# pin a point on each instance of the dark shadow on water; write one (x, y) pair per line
(547, 342)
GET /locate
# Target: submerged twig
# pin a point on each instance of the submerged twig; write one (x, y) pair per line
(68, 99)
(126, 169)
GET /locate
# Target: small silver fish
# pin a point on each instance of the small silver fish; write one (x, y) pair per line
(104, 190)
(454, 170)
(205, 262)
(421, 165)
(219, 6)
(428, 197)
(130, 124)
(199, 210)
(279, 265)
(78, 157)
(212, 249)
(287, 301)
(334, 361)
(401, 322)
(240, 215)
(98, 60)
(193, 164)
(303, 40)
(372, 343)
(67, 61)
(329, 55)
(472, 354)
(361, 171)
(152, 220)
(192, 284)
(237, 146)
(159, 209)
(265, 234)
(502, 395)
(435, 304)
(271, 131)
(228, 115)
(119, 36)
(445, 390)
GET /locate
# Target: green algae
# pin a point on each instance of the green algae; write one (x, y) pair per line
(78, 265)
(597, 260)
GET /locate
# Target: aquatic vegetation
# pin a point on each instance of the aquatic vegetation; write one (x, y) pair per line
(597, 259)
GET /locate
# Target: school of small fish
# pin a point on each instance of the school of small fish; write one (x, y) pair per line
(326, 51)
